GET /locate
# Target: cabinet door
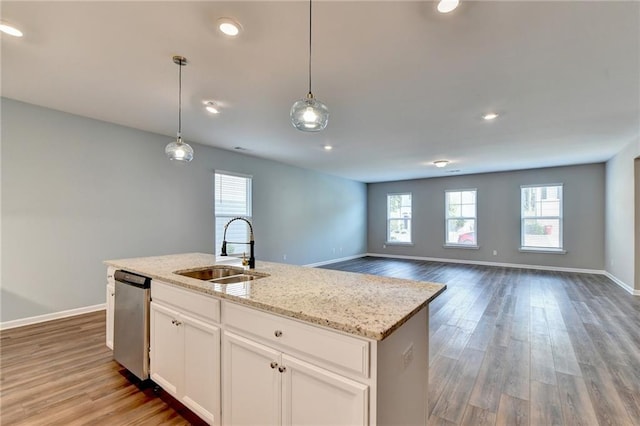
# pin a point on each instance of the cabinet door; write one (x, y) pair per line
(201, 386)
(111, 295)
(166, 346)
(315, 396)
(251, 382)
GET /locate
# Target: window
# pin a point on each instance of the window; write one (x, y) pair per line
(232, 198)
(541, 217)
(399, 218)
(460, 214)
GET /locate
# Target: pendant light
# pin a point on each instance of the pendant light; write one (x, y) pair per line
(309, 114)
(179, 150)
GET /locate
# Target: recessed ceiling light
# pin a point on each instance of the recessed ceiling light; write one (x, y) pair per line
(441, 163)
(10, 30)
(490, 116)
(327, 147)
(229, 26)
(211, 107)
(446, 6)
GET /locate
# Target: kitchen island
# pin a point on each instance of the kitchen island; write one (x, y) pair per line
(297, 344)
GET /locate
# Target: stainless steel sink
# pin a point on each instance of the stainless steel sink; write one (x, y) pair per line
(221, 274)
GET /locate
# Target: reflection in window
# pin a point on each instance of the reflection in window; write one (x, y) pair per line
(541, 217)
(399, 218)
(461, 218)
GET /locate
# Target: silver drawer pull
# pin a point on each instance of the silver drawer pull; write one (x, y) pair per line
(274, 364)
(282, 369)
(277, 333)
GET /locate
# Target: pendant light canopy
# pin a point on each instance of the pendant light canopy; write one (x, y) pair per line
(309, 114)
(179, 150)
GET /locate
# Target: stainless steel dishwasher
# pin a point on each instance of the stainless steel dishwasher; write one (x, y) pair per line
(131, 322)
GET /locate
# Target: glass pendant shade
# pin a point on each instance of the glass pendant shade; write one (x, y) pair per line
(309, 114)
(179, 151)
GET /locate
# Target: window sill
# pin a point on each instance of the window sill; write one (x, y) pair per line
(462, 246)
(396, 243)
(541, 250)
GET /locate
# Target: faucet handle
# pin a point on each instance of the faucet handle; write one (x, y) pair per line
(245, 261)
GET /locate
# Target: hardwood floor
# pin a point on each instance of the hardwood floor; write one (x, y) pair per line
(524, 347)
(508, 347)
(61, 373)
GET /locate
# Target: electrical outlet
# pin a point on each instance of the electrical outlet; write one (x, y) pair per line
(384, 246)
(407, 355)
(333, 250)
(284, 257)
(495, 252)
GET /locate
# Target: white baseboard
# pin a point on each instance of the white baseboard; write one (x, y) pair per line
(484, 263)
(329, 262)
(622, 284)
(48, 317)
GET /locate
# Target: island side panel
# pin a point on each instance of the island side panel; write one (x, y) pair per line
(403, 373)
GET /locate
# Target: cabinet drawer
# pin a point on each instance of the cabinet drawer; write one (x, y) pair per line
(324, 346)
(200, 305)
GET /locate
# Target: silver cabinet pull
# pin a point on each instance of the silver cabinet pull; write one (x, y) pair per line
(274, 364)
(278, 333)
(282, 369)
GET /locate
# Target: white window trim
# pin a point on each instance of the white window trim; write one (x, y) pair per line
(462, 246)
(446, 220)
(541, 250)
(560, 217)
(386, 235)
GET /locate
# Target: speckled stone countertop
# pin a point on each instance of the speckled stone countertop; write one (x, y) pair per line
(360, 304)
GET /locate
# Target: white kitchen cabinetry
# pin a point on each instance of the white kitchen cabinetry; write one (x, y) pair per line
(274, 370)
(110, 299)
(313, 395)
(185, 348)
(251, 389)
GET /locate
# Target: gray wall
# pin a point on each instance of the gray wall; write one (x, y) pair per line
(77, 191)
(498, 212)
(620, 217)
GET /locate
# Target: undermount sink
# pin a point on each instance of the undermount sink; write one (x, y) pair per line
(221, 274)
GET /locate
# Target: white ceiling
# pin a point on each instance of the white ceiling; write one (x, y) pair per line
(404, 84)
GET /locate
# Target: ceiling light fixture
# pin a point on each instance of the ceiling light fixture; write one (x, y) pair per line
(490, 116)
(309, 114)
(10, 29)
(230, 27)
(441, 163)
(211, 107)
(446, 6)
(179, 150)
(327, 147)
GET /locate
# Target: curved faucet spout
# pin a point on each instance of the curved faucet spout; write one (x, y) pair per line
(251, 242)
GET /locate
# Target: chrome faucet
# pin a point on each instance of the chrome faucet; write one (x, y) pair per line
(251, 243)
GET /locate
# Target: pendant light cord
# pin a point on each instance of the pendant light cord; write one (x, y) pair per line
(180, 99)
(309, 46)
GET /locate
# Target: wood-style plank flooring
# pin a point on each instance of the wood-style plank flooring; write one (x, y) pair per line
(508, 347)
(61, 373)
(525, 347)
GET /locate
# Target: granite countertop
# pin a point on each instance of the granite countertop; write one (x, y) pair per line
(364, 305)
